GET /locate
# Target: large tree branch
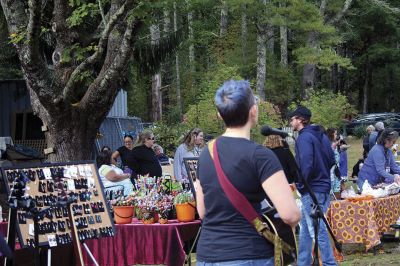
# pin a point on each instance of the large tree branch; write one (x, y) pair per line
(61, 12)
(35, 13)
(340, 15)
(34, 68)
(98, 54)
(105, 87)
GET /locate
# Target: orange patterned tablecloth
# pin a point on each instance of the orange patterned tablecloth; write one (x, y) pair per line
(364, 221)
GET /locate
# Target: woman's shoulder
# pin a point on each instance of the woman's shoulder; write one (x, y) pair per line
(104, 169)
(182, 147)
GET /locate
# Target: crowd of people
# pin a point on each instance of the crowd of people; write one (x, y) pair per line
(256, 172)
(142, 156)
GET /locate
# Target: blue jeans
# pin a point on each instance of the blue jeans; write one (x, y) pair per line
(259, 262)
(307, 232)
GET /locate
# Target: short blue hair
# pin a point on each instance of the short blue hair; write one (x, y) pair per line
(234, 100)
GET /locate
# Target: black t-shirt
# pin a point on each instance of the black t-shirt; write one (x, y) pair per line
(127, 157)
(226, 235)
(147, 162)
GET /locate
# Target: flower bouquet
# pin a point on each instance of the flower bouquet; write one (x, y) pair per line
(148, 212)
(164, 206)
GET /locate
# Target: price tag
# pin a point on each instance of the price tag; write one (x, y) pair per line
(31, 229)
(73, 171)
(52, 240)
(88, 171)
(71, 184)
(81, 170)
(90, 181)
(47, 173)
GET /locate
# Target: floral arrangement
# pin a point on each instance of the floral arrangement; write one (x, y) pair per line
(164, 206)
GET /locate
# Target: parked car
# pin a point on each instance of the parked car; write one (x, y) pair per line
(390, 120)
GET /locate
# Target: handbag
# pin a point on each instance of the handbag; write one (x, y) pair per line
(283, 252)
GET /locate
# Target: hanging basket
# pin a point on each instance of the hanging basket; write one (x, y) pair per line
(185, 212)
(123, 214)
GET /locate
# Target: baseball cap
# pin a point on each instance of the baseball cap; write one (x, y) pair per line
(301, 111)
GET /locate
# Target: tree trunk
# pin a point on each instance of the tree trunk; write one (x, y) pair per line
(309, 71)
(245, 34)
(271, 39)
(191, 45)
(283, 42)
(71, 109)
(334, 78)
(391, 101)
(366, 86)
(224, 19)
(177, 74)
(156, 101)
(261, 60)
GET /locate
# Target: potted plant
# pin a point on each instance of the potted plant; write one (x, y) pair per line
(124, 209)
(185, 206)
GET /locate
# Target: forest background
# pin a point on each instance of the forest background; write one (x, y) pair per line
(338, 57)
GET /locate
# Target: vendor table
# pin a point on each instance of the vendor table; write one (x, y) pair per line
(137, 243)
(363, 221)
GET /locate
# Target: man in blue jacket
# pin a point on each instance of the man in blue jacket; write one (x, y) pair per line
(315, 158)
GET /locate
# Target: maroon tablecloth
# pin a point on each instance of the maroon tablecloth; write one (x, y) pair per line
(137, 243)
(134, 243)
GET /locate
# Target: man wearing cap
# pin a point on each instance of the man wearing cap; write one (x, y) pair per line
(373, 137)
(315, 158)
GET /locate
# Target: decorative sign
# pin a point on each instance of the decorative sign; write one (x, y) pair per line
(191, 169)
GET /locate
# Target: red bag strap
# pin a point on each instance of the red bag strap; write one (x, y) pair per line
(238, 200)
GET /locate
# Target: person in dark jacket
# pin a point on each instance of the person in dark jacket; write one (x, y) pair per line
(281, 149)
(315, 158)
(146, 160)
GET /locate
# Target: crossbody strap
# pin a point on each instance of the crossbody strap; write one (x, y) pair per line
(243, 206)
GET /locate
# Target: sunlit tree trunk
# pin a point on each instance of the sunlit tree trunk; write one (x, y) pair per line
(283, 43)
(156, 101)
(244, 34)
(262, 30)
(224, 19)
(191, 46)
(366, 85)
(177, 74)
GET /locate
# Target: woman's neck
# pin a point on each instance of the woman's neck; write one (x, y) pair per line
(242, 132)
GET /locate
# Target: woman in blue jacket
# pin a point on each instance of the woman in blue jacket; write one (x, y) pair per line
(380, 165)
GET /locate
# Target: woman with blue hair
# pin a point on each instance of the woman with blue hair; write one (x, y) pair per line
(227, 238)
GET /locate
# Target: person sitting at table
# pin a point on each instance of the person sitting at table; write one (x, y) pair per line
(145, 158)
(380, 165)
(162, 158)
(110, 175)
